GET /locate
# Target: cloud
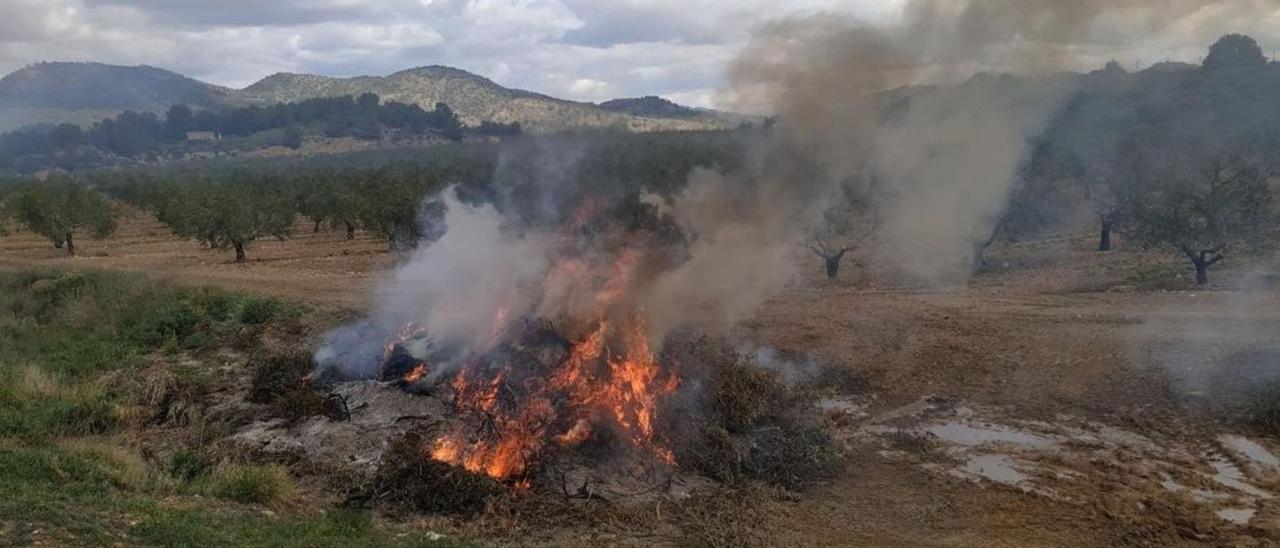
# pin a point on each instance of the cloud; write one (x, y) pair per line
(621, 47)
(586, 87)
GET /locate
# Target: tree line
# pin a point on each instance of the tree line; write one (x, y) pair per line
(230, 205)
(131, 133)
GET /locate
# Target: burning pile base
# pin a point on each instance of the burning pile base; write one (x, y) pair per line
(728, 420)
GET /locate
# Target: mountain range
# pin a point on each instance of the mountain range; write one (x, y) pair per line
(81, 93)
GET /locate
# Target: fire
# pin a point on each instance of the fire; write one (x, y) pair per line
(606, 386)
(416, 374)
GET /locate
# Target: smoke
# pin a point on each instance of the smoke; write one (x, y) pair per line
(858, 101)
(855, 116)
(1219, 347)
(458, 282)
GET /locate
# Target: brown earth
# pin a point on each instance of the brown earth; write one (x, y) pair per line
(1058, 330)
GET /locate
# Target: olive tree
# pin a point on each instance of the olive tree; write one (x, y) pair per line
(59, 207)
(392, 204)
(231, 214)
(1204, 206)
(333, 199)
(1108, 184)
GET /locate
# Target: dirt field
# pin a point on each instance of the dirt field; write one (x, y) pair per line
(1034, 406)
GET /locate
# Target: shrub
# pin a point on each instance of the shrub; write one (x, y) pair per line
(258, 310)
(188, 466)
(157, 323)
(252, 484)
(741, 396)
(792, 456)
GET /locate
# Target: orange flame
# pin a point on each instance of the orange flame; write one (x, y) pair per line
(416, 374)
(610, 380)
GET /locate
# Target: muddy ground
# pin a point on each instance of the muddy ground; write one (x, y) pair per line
(1067, 399)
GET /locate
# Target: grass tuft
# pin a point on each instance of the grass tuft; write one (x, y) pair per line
(267, 484)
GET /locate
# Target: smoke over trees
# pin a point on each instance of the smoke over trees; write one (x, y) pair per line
(960, 166)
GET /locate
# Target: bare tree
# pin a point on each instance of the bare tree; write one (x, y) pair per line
(1032, 201)
(844, 231)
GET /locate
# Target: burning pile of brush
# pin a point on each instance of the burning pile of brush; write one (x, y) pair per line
(532, 392)
(554, 335)
(602, 414)
(533, 387)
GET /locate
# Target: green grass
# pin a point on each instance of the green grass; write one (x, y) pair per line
(74, 329)
(75, 356)
(79, 496)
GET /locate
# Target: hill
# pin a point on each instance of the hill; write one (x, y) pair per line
(473, 97)
(649, 106)
(84, 92)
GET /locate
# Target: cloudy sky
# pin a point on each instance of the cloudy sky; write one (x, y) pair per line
(580, 49)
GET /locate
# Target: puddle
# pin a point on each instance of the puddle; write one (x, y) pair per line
(1199, 495)
(1066, 458)
(957, 433)
(1230, 475)
(1238, 516)
(997, 468)
(843, 405)
(1246, 449)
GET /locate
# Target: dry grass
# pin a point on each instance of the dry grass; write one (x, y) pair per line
(728, 518)
(124, 466)
(749, 423)
(34, 382)
(278, 375)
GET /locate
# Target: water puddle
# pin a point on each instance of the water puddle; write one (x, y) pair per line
(994, 467)
(1068, 457)
(1199, 495)
(1238, 516)
(1228, 474)
(843, 405)
(1258, 457)
(969, 435)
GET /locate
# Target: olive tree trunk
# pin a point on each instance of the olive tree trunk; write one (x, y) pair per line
(833, 264)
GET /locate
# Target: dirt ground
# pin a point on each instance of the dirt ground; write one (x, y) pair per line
(1053, 365)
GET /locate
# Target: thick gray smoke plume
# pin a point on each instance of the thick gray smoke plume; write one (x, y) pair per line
(940, 166)
(943, 164)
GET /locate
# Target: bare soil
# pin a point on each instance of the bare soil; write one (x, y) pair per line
(1058, 335)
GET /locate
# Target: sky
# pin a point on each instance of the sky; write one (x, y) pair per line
(588, 50)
